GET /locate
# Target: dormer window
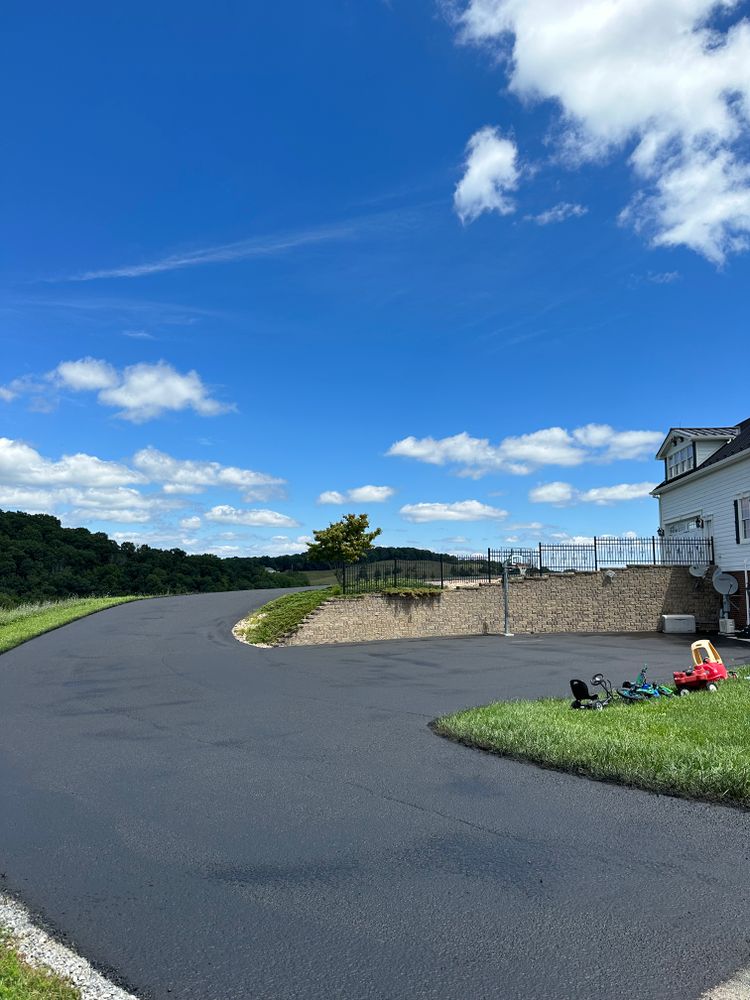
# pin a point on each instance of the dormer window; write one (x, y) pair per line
(680, 461)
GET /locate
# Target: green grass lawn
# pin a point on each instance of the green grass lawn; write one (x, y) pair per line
(321, 577)
(29, 620)
(19, 981)
(697, 746)
(278, 618)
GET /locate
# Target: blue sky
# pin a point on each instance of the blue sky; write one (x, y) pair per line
(458, 266)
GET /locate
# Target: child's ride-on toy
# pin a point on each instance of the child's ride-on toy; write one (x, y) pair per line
(643, 690)
(583, 698)
(708, 668)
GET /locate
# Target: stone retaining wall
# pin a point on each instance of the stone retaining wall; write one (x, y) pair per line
(632, 601)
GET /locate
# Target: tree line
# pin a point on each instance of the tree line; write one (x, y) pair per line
(40, 559)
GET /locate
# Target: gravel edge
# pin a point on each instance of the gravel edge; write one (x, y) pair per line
(40, 950)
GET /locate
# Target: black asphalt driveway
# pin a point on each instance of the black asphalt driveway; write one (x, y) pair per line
(212, 821)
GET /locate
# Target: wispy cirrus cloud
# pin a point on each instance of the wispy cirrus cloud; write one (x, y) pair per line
(558, 213)
(241, 250)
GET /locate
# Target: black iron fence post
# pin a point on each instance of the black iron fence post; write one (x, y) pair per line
(395, 573)
(540, 559)
(489, 565)
(653, 547)
(441, 573)
(343, 578)
(596, 556)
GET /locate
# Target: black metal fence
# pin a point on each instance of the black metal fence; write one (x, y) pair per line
(599, 553)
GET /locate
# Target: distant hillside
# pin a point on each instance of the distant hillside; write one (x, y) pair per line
(378, 553)
(39, 558)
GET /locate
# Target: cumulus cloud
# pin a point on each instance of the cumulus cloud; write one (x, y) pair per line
(490, 173)
(666, 81)
(85, 489)
(359, 494)
(146, 391)
(523, 453)
(187, 476)
(224, 514)
(558, 213)
(86, 375)
(463, 510)
(564, 494)
(138, 392)
(22, 464)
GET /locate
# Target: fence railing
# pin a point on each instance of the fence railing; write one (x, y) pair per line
(600, 553)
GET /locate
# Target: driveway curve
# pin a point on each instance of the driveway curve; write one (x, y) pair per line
(212, 821)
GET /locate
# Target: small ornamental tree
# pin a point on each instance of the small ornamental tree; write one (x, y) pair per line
(343, 542)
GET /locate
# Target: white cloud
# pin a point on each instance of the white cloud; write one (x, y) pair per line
(22, 464)
(224, 514)
(522, 454)
(146, 391)
(140, 392)
(663, 80)
(190, 523)
(556, 493)
(86, 375)
(491, 172)
(268, 246)
(558, 213)
(563, 494)
(359, 494)
(463, 510)
(184, 476)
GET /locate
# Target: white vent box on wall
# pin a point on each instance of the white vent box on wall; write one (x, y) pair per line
(726, 626)
(678, 623)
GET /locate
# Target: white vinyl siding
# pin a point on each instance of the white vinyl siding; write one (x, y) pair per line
(712, 495)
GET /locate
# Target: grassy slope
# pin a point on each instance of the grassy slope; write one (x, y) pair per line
(19, 981)
(29, 620)
(278, 618)
(698, 746)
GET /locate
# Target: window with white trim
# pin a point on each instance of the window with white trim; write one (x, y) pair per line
(682, 527)
(680, 461)
(744, 516)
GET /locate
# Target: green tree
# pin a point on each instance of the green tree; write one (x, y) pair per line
(345, 541)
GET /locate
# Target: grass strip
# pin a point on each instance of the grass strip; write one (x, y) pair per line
(279, 618)
(20, 981)
(19, 624)
(696, 746)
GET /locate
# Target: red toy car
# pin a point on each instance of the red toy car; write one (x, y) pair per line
(708, 668)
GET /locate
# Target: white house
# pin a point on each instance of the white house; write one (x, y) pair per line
(706, 491)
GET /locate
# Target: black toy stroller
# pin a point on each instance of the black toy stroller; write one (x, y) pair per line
(583, 698)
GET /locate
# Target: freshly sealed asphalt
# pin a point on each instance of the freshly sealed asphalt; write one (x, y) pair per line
(212, 821)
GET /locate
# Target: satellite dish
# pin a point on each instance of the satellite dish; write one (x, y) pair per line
(724, 583)
(698, 570)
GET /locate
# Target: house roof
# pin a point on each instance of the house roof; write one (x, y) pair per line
(696, 433)
(707, 432)
(739, 442)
